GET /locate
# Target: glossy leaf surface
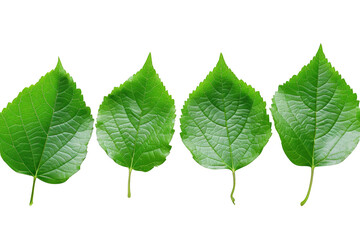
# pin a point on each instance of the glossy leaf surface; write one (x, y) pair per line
(315, 114)
(44, 132)
(224, 122)
(135, 122)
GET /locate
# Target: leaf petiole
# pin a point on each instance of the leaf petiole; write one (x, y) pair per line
(32, 192)
(129, 192)
(233, 189)
(311, 181)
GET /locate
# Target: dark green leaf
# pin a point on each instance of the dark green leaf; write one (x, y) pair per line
(224, 122)
(44, 132)
(135, 122)
(315, 116)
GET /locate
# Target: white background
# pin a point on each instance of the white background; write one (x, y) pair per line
(102, 43)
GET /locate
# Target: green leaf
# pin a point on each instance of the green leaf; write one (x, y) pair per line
(315, 114)
(224, 122)
(135, 122)
(44, 132)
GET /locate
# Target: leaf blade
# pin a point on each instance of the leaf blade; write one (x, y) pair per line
(222, 116)
(135, 122)
(34, 130)
(315, 114)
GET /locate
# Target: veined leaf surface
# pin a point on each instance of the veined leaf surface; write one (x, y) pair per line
(135, 122)
(315, 114)
(44, 132)
(224, 122)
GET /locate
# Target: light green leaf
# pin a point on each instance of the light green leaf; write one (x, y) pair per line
(44, 132)
(315, 114)
(135, 122)
(224, 122)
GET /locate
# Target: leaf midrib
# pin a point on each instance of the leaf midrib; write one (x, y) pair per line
(315, 117)
(147, 78)
(47, 133)
(226, 126)
(139, 124)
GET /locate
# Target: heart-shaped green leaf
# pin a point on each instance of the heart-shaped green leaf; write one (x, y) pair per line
(44, 132)
(224, 122)
(315, 114)
(135, 122)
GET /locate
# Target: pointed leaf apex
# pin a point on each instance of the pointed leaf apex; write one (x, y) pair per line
(59, 65)
(221, 56)
(148, 61)
(320, 51)
(221, 61)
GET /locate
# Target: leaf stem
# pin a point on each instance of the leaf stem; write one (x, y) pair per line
(129, 192)
(233, 189)
(32, 192)
(311, 181)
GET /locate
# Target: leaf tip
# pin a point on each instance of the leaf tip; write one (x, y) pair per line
(148, 61)
(221, 56)
(320, 51)
(221, 61)
(59, 65)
